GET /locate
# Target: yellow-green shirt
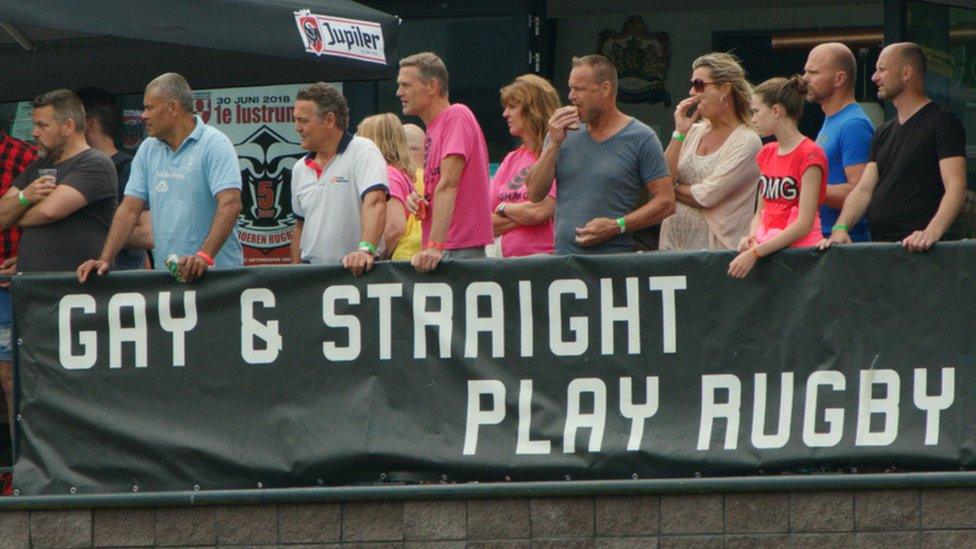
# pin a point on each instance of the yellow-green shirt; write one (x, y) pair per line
(409, 244)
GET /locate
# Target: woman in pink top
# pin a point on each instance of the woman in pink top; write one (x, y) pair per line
(793, 181)
(386, 131)
(525, 227)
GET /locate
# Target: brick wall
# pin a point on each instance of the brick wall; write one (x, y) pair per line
(889, 518)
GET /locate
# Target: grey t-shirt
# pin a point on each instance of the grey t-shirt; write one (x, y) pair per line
(68, 242)
(603, 179)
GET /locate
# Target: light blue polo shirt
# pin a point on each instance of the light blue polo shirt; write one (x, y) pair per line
(180, 187)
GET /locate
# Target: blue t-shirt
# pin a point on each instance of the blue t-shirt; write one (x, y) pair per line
(846, 139)
(603, 179)
(180, 188)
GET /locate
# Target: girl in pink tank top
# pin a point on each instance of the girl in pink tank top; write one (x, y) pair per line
(793, 176)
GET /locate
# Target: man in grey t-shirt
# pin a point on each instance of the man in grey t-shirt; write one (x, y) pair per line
(65, 217)
(600, 167)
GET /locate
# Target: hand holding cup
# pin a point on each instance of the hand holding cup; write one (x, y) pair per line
(562, 120)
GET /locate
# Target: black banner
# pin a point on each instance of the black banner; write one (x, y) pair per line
(643, 365)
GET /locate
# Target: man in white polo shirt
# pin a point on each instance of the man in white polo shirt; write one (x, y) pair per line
(339, 190)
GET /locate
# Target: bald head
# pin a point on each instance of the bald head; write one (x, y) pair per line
(415, 143)
(830, 73)
(901, 68)
(910, 54)
(837, 57)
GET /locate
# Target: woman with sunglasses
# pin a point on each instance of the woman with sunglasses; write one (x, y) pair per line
(525, 227)
(712, 156)
(794, 176)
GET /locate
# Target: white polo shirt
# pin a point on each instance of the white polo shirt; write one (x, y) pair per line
(331, 203)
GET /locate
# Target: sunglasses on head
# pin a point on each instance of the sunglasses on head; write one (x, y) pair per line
(699, 85)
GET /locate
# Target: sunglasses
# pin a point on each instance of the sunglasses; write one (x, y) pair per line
(699, 85)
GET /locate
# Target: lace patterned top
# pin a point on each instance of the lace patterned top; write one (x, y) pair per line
(725, 182)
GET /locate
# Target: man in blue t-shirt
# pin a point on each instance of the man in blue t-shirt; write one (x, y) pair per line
(188, 175)
(846, 133)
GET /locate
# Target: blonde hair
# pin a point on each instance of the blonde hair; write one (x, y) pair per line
(725, 69)
(429, 67)
(386, 131)
(537, 100)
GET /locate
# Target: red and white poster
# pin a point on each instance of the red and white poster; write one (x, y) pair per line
(260, 123)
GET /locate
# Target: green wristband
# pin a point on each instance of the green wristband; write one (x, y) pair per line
(367, 247)
(678, 136)
(838, 227)
(23, 199)
(622, 223)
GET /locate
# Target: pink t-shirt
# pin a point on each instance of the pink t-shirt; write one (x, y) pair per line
(456, 132)
(779, 186)
(400, 185)
(508, 185)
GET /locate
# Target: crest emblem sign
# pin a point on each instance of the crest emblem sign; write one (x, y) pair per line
(642, 59)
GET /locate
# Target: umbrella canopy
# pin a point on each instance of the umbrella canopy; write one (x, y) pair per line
(121, 45)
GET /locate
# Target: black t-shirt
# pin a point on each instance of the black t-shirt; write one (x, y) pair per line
(910, 186)
(127, 259)
(123, 164)
(68, 242)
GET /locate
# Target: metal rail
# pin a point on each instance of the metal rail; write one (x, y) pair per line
(887, 481)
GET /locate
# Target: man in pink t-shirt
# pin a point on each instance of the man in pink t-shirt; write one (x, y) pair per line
(456, 190)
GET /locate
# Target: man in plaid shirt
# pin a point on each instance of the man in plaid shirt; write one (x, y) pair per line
(15, 155)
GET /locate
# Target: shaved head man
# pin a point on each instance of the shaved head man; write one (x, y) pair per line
(830, 73)
(830, 68)
(915, 180)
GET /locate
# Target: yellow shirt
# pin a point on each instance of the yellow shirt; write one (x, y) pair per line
(409, 244)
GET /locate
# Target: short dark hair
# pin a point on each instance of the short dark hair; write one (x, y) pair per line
(66, 106)
(101, 105)
(327, 99)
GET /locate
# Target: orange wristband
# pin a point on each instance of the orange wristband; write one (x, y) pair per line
(432, 244)
(206, 257)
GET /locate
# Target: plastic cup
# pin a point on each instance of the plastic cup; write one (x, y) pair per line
(575, 125)
(52, 172)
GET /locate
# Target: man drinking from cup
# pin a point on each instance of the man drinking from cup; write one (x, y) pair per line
(601, 167)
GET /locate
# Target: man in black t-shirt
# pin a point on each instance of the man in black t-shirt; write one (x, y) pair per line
(915, 181)
(102, 119)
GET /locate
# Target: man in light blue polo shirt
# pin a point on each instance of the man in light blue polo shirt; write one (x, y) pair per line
(187, 174)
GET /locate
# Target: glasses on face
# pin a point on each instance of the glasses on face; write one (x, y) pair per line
(699, 85)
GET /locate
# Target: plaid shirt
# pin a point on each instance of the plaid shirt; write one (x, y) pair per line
(15, 155)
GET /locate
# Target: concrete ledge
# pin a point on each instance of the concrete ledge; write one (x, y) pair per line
(868, 518)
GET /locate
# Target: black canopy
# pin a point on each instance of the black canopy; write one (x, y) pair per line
(122, 44)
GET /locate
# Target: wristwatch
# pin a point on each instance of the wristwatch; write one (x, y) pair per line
(500, 210)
